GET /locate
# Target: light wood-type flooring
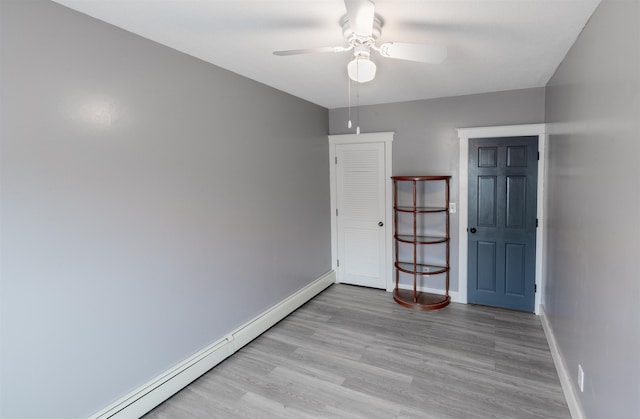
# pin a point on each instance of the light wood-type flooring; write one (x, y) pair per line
(352, 352)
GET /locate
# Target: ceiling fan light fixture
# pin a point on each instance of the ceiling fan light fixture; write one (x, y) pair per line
(361, 69)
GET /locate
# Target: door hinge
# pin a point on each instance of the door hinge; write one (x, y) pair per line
(336, 212)
(536, 223)
(538, 155)
(535, 288)
(338, 262)
(336, 159)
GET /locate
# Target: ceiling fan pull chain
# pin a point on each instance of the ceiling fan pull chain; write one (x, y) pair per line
(349, 125)
(358, 109)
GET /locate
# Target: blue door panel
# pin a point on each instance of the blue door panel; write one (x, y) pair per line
(487, 205)
(515, 269)
(517, 156)
(486, 256)
(516, 201)
(487, 156)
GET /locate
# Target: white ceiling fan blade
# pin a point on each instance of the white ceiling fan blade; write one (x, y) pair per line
(361, 14)
(310, 50)
(432, 54)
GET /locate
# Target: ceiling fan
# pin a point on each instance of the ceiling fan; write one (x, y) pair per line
(362, 27)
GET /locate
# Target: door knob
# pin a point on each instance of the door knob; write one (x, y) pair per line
(472, 230)
(380, 224)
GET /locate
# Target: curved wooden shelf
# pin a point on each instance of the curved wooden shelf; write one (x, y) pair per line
(421, 269)
(408, 238)
(421, 178)
(420, 209)
(421, 300)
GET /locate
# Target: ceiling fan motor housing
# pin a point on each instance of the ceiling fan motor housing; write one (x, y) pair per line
(362, 51)
(355, 38)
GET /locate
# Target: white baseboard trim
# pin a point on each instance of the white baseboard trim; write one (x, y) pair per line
(569, 390)
(455, 295)
(151, 394)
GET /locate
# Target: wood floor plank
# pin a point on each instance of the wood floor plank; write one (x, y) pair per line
(352, 352)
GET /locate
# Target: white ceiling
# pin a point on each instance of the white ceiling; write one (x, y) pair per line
(493, 45)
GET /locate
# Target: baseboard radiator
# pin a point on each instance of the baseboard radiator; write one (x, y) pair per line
(151, 394)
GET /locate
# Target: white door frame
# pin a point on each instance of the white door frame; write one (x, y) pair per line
(377, 137)
(464, 134)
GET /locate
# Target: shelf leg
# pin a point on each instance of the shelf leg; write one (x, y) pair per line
(415, 244)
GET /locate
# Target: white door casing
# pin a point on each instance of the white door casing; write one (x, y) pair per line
(360, 178)
(464, 134)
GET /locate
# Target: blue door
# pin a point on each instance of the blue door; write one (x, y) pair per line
(503, 177)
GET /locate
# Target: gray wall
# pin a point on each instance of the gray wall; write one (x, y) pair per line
(426, 141)
(593, 286)
(150, 204)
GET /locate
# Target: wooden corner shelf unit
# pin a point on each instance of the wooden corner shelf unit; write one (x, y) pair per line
(414, 215)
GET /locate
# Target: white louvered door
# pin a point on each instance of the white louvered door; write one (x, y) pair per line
(360, 199)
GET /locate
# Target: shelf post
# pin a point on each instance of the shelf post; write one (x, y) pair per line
(415, 243)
